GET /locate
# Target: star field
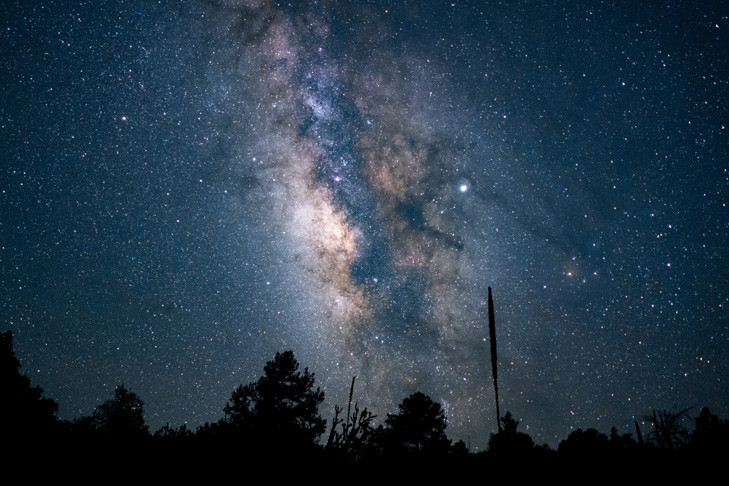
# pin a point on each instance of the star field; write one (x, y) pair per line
(188, 187)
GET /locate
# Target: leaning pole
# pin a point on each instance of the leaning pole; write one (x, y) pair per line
(492, 336)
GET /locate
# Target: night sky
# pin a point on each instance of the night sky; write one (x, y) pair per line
(188, 187)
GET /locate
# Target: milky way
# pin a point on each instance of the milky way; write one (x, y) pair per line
(192, 187)
(364, 187)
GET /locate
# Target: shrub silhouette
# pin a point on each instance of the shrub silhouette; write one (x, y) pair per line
(354, 435)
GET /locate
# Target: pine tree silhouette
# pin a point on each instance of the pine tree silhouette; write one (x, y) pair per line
(418, 427)
(281, 408)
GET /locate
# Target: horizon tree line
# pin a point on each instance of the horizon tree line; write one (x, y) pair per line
(279, 414)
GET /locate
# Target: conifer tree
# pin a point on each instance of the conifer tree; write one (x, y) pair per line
(282, 406)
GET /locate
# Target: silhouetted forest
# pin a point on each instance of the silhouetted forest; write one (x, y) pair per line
(278, 420)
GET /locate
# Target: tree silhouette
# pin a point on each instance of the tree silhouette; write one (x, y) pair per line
(584, 442)
(668, 430)
(419, 427)
(281, 408)
(508, 440)
(24, 412)
(239, 410)
(621, 442)
(711, 434)
(121, 417)
(278, 414)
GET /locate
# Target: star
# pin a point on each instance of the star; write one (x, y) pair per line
(355, 169)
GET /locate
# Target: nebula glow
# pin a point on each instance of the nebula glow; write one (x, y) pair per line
(192, 187)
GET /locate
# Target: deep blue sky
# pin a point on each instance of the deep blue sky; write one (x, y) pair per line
(189, 187)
